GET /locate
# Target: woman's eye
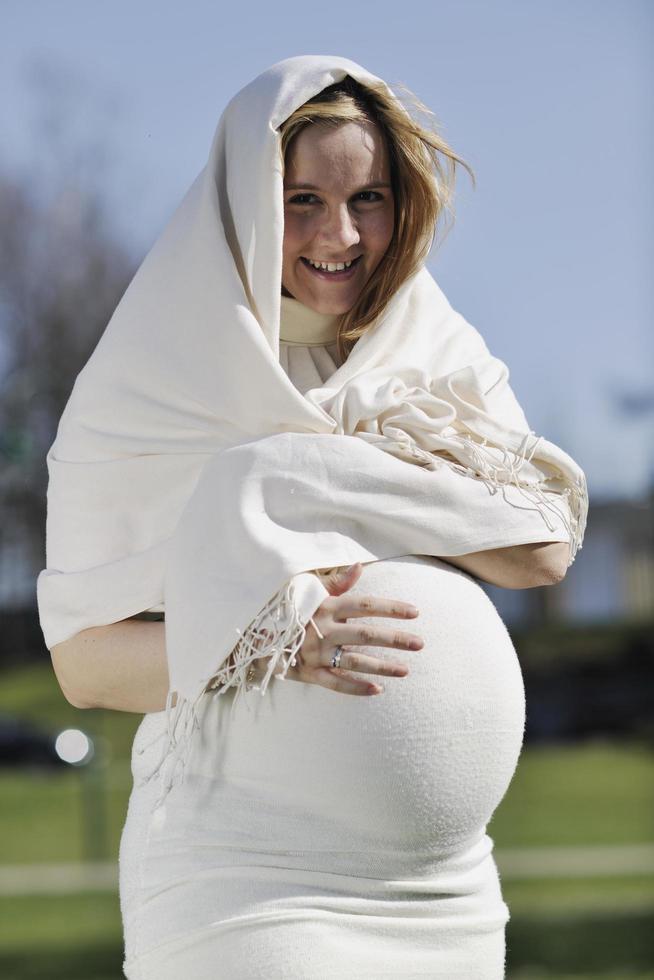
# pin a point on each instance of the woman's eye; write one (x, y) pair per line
(366, 197)
(300, 199)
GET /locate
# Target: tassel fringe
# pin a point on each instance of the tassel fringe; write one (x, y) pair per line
(276, 633)
(498, 468)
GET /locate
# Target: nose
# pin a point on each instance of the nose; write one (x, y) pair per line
(340, 230)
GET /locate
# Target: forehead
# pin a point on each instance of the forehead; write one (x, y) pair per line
(353, 152)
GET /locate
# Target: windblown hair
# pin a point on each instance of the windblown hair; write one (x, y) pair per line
(423, 185)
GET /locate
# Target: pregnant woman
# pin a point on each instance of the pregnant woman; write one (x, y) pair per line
(289, 445)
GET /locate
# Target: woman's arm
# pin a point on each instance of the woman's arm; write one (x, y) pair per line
(123, 666)
(520, 566)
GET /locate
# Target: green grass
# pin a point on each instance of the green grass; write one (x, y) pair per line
(75, 937)
(39, 922)
(588, 793)
(597, 895)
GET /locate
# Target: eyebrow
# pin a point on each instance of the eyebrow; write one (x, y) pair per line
(312, 187)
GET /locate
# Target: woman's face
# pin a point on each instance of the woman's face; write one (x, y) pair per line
(338, 208)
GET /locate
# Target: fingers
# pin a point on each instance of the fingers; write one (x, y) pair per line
(339, 580)
(334, 630)
(348, 606)
(353, 660)
(315, 663)
(339, 680)
(335, 679)
(372, 636)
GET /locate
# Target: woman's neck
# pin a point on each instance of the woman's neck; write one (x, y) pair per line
(299, 324)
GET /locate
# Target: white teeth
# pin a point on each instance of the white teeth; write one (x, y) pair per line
(330, 266)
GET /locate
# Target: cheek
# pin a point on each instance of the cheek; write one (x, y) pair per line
(297, 231)
(379, 230)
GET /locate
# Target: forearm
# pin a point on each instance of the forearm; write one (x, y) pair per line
(121, 667)
(523, 566)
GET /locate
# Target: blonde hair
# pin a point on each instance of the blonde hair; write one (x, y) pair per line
(423, 186)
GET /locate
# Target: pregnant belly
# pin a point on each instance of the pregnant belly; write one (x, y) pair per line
(419, 768)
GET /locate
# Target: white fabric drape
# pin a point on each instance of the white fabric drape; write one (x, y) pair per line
(188, 470)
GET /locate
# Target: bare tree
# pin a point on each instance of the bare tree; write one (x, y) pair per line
(62, 272)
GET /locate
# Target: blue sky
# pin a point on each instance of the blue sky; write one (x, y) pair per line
(550, 102)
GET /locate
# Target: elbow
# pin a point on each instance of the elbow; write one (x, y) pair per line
(75, 700)
(548, 576)
(551, 563)
(63, 664)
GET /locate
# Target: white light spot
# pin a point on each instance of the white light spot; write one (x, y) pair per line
(74, 746)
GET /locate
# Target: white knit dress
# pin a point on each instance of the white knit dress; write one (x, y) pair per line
(321, 835)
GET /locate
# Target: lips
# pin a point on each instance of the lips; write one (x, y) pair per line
(334, 276)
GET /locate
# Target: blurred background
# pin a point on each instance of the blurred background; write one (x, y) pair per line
(106, 116)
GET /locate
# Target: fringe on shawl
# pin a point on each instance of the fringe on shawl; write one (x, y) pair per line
(276, 632)
(498, 473)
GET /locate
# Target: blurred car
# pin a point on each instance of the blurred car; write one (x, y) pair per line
(24, 744)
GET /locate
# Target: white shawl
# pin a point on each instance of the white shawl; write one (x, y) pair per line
(187, 469)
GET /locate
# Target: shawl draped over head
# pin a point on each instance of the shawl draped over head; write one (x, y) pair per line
(189, 473)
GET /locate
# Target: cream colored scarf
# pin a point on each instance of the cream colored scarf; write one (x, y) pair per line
(188, 470)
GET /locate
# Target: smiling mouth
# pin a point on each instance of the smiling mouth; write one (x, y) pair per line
(338, 270)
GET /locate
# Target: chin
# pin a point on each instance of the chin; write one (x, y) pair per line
(331, 308)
